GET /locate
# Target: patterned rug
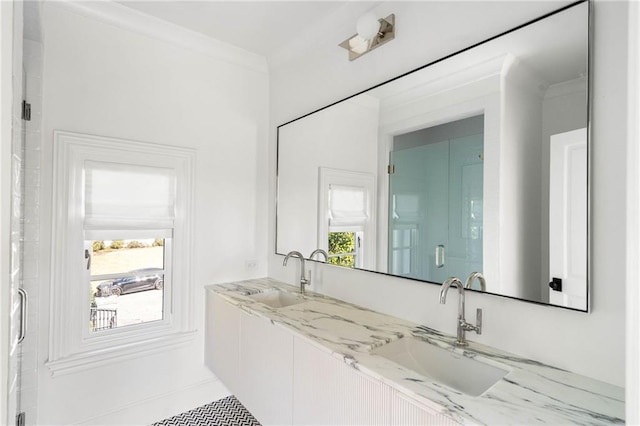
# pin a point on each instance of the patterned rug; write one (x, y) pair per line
(225, 412)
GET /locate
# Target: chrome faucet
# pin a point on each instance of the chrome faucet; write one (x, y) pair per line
(303, 279)
(463, 325)
(320, 252)
(471, 278)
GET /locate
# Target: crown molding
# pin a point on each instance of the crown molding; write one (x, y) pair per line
(567, 88)
(132, 20)
(444, 77)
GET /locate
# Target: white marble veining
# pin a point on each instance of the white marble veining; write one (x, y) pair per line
(531, 392)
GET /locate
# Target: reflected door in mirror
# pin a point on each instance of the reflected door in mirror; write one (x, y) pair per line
(568, 219)
(435, 208)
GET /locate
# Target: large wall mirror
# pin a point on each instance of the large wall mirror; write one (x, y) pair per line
(473, 163)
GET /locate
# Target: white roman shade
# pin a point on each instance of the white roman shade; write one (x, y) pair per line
(347, 205)
(123, 193)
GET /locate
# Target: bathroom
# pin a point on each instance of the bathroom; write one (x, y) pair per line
(108, 70)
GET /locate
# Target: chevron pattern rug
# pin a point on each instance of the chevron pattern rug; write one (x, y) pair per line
(225, 412)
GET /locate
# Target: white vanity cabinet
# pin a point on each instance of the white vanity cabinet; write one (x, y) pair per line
(252, 357)
(285, 379)
(310, 364)
(222, 341)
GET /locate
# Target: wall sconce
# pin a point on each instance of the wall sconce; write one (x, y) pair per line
(372, 33)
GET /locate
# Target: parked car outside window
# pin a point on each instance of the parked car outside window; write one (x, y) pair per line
(137, 280)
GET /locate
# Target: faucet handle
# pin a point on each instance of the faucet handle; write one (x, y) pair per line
(479, 321)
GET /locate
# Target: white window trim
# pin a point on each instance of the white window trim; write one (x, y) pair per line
(70, 348)
(328, 177)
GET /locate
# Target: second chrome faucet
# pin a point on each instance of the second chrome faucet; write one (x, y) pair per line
(303, 280)
(320, 252)
(463, 325)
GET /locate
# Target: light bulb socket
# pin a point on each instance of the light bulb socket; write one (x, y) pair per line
(372, 33)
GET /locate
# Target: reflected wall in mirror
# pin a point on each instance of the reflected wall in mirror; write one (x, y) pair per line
(477, 162)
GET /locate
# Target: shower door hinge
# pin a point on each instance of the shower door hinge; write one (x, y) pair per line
(391, 169)
(20, 419)
(26, 111)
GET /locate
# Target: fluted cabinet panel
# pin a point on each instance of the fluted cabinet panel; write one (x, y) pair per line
(314, 385)
(266, 370)
(328, 391)
(406, 412)
(361, 399)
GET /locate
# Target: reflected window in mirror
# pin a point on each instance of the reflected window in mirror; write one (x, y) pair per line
(348, 217)
(346, 229)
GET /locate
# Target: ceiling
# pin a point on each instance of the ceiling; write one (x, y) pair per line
(260, 27)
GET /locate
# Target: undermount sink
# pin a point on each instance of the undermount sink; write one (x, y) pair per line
(452, 369)
(277, 298)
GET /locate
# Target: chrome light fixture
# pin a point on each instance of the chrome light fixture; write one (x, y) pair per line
(371, 33)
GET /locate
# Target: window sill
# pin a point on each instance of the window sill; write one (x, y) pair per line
(97, 358)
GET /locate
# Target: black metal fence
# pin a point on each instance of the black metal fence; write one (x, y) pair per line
(103, 319)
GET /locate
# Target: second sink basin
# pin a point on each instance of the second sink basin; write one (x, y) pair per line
(277, 298)
(454, 370)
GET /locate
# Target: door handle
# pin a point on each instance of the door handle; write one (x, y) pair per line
(556, 284)
(440, 256)
(24, 306)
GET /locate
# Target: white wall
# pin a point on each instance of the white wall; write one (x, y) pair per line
(105, 80)
(342, 138)
(520, 169)
(319, 73)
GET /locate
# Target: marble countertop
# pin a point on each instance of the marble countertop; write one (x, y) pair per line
(530, 393)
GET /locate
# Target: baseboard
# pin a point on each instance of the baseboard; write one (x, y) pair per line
(159, 407)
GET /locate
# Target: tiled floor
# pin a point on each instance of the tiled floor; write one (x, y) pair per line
(225, 412)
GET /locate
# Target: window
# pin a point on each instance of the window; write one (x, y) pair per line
(126, 281)
(122, 242)
(347, 206)
(348, 215)
(131, 207)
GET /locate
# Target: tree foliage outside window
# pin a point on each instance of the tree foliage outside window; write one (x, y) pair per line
(136, 244)
(117, 244)
(342, 247)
